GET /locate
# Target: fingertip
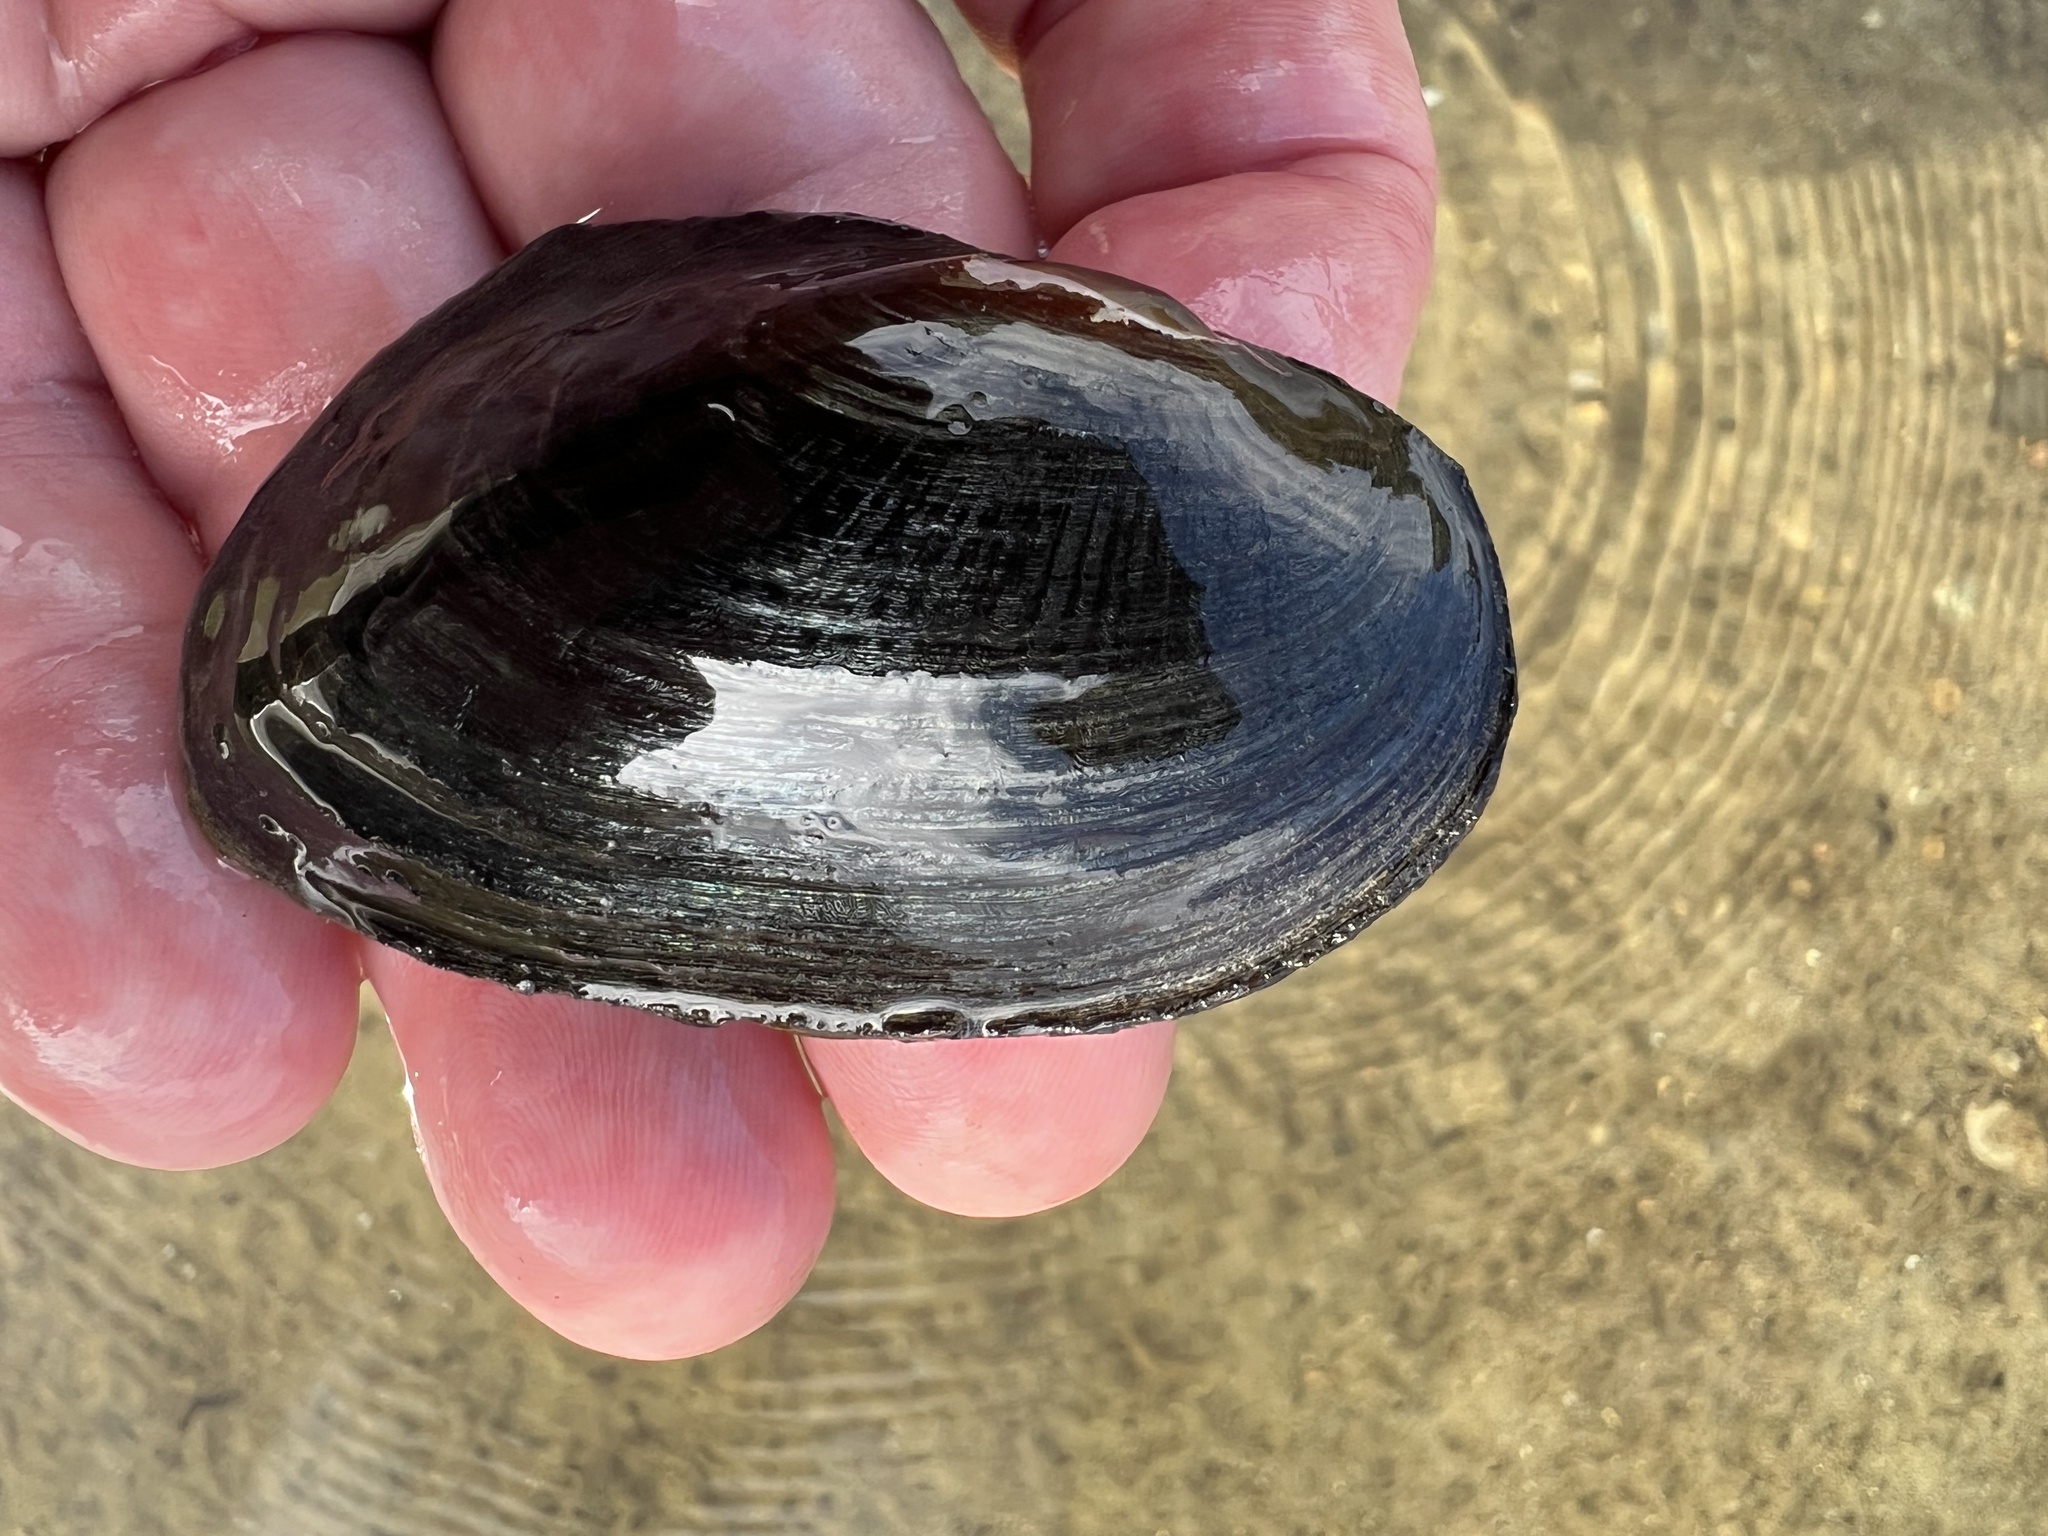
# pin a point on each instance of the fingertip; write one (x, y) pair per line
(644, 1188)
(998, 1127)
(155, 1054)
(1329, 263)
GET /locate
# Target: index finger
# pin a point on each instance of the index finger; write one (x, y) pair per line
(1269, 165)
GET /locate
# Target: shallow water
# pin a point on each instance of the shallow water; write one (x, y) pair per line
(1674, 1161)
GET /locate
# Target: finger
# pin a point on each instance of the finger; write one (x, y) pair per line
(645, 1188)
(1136, 96)
(997, 1127)
(1268, 165)
(152, 1005)
(64, 62)
(650, 109)
(239, 243)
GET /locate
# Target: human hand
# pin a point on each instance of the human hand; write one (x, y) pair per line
(222, 252)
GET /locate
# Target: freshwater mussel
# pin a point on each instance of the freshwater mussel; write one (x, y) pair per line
(820, 620)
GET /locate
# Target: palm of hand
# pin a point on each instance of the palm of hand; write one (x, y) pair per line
(220, 253)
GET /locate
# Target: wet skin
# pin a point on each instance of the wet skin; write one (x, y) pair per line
(200, 268)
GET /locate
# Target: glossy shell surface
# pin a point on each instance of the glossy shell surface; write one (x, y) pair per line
(813, 619)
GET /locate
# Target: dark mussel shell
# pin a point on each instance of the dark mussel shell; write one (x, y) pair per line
(814, 619)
